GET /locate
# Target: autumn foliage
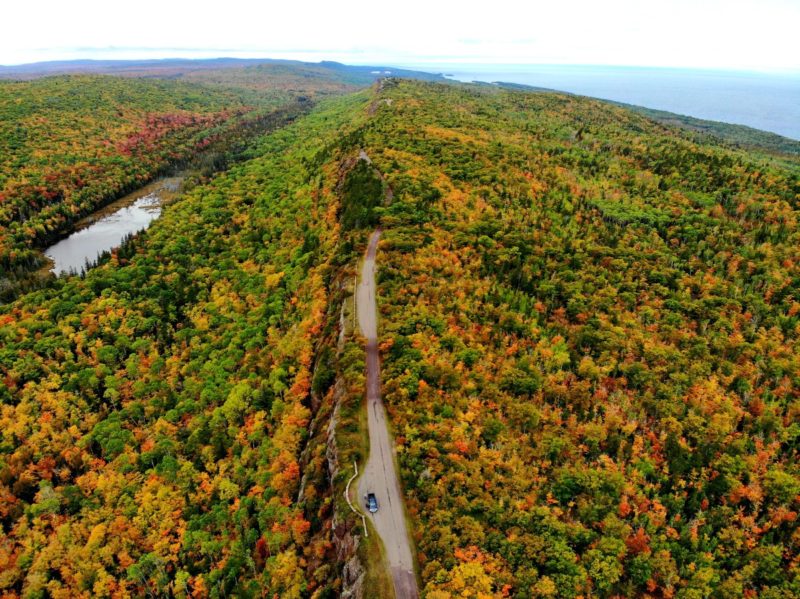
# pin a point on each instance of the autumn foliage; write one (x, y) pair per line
(154, 414)
(590, 348)
(589, 334)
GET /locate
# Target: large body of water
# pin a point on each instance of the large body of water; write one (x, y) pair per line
(770, 102)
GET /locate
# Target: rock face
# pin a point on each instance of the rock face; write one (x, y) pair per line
(345, 537)
(347, 572)
(353, 579)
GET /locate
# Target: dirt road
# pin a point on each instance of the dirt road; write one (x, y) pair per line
(380, 474)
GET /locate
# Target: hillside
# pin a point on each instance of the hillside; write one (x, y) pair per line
(154, 412)
(739, 135)
(74, 142)
(335, 74)
(589, 347)
(71, 144)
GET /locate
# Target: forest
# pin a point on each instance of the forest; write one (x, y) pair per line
(589, 328)
(154, 411)
(590, 349)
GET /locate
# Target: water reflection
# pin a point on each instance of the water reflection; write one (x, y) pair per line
(81, 249)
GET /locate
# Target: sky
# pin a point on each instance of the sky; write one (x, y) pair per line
(725, 34)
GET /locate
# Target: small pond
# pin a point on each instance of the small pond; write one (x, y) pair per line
(107, 228)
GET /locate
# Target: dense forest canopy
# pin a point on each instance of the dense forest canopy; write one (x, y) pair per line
(153, 412)
(590, 348)
(589, 337)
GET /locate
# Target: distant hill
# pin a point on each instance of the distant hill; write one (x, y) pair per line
(740, 135)
(256, 73)
(737, 135)
(174, 68)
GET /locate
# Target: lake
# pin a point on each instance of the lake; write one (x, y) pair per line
(107, 228)
(770, 102)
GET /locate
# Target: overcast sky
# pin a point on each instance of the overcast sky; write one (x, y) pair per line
(730, 34)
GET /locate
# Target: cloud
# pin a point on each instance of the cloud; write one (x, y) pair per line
(684, 33)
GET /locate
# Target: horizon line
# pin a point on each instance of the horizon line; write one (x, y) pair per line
(417, 63)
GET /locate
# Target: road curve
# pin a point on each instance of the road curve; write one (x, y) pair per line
(380, 474)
